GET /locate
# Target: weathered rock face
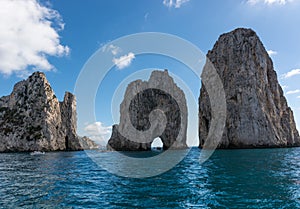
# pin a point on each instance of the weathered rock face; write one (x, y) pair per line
(150, 109)
(257, 111)
(87, 144)
(69, 121)
(32, 118)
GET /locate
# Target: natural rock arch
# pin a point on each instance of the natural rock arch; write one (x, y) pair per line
(152, 109)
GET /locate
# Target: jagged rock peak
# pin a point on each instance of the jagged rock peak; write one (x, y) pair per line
(32, 118)
(239, 34)
(257, 111)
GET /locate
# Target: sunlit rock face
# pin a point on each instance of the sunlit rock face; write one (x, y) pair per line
(32, 118)
(257, 111)
(150, 109)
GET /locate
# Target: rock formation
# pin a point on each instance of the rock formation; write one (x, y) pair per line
(257, 111)
(150, 109)
(32, 118)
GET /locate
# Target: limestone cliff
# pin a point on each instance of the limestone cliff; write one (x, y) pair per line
(32, 118)
(150, 109)
(257, 112)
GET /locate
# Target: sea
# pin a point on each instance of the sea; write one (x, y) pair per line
(248, 178)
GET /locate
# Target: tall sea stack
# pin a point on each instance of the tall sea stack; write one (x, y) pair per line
(257, 111)
(32, 118)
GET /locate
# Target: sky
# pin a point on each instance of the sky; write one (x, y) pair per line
(58, 38)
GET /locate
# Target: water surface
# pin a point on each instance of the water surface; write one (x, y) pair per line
(257, 178)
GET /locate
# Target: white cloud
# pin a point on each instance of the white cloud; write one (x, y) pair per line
(269, 2)
(292, 73)
(121, 61)
(98, 132)
(112, 49)
(271, 52)
(124, 61)
(174, 3)
(298, 97)
(28, 34)
(293, 92)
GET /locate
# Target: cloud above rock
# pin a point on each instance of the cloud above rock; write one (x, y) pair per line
(292, 73)
(98, 132)
(28, 35)
(124, 61)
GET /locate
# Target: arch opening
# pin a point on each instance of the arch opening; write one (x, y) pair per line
(157, 144)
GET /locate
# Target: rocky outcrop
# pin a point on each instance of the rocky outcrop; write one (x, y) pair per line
(87, 144)
(32, 118)
(69, 121)
(257, 111)
(150, 109)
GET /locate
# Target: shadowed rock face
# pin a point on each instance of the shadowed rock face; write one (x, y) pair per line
(156, 108)
(32, 118)
(257, 111)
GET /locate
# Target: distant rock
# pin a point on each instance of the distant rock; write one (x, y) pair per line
(150, 109)
(32, 118)
(257, 111)
(87, 144)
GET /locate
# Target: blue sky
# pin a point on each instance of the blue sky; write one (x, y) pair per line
(60, 36)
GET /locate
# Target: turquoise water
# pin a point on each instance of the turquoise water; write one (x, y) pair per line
(268, 178)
